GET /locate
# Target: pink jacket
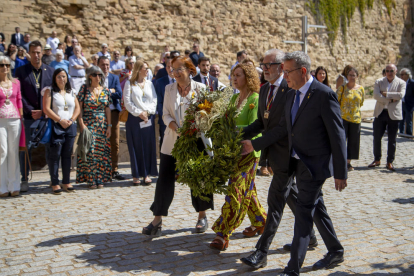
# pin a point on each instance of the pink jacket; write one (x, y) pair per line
(15, 98)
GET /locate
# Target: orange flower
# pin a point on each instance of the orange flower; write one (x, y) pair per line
(206, 106)
(251, 106)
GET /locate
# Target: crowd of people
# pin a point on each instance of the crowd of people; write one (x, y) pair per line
(293, 125)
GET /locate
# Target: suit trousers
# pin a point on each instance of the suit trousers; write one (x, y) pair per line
(310, 208)
(382, 123)
(282, 190)
(114, 139)
(164, 190)
(407, 122)
(10, 130)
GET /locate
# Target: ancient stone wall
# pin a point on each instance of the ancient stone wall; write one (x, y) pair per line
(223, 28)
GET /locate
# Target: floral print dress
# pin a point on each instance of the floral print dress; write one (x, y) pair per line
(97, 169)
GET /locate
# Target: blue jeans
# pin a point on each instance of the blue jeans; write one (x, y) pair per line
(24, 162)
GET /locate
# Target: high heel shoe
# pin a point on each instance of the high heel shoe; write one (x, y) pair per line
(152, 230)
(249, 232)
(218, 243)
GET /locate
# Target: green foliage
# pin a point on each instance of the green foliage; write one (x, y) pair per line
(203, 174)
(338, 13)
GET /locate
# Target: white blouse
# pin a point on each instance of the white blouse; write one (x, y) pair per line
(59, 103)
(138, 100)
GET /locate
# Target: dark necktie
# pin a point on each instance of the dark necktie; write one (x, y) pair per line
(295, 107)
(206, 81)
(172, 80)
(270, 97)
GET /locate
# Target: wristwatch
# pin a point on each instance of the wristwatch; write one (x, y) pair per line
(110, 125)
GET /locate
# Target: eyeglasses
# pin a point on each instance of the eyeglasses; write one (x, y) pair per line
(5, 65)
(267, 65)
(389, 71)
(178, 70)
(96, 75)
(287, 72)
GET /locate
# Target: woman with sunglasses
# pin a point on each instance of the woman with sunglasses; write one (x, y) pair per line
(140, 100)
(94, 100)
(11, 111)
(176, 100)
(65, 109)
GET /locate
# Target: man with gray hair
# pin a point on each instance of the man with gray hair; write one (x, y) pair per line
(388, 91)
(117, 65)
(317, 150)
(407, 102)
(272, 100)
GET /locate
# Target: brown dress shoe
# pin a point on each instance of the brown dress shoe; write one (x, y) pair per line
(374, 164)
(390, 167)
(264, 171)
(270, 170)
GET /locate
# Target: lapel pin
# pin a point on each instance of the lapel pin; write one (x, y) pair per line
(283, 90)
(45, 69)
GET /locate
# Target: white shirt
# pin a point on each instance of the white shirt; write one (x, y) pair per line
(277, 84)
(108, 55)
(171, 79)
(388, 90)
(53, 42)
(59, 103)
(303, 91)
(203, 79)
(138, 100)
(111, 106)
(221, 85)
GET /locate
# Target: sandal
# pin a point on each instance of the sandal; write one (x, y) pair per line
(152, 230)
(100, 186)
(148, 180)
(92, 186)
(204, 225)
(68, 189)
(250, 232)
(349, 167)
(219, 243)
(136, 181)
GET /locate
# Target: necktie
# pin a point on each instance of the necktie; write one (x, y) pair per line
(172, 80)
(270, 97)
(17, 39)
(293, 112)
(206, 81)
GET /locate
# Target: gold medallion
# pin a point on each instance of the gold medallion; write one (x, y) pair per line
(37, 85)
(66, 108)
(266, 114)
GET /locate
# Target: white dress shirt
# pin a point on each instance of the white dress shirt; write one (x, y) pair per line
(138, 100)
(302, 92)
(203, 79)
(277, 84)
(53, 42)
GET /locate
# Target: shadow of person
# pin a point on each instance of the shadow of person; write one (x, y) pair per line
(176, 252)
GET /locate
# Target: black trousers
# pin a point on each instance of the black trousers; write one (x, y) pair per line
(382, 123)
(164, 190)
(353, 134)
(282, 190)
(310, 208)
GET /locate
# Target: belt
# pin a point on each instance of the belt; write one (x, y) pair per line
(77, 76)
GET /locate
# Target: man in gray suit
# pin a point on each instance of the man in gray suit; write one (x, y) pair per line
(388, 91)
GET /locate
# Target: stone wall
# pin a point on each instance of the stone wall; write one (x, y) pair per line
(223, 28)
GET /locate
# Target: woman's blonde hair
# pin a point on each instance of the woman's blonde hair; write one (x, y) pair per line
(252, 79)
(135, 71)
(6, 60)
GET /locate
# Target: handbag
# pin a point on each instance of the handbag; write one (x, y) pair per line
(123, 115)
(41, 130)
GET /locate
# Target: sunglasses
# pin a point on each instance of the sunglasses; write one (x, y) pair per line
(95, 75)
(389, 71)
(5, 65)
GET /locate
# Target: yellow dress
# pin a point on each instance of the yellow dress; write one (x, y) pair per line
(351, 102)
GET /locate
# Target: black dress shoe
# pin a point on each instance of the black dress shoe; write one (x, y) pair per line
(256, 260)
(203, 223)
(287, 274)
(313, 242)
(117, 176)
(330, 260)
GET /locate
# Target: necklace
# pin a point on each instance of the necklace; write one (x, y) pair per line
(241, 105)
(66, 108)
(37, 78)
(181, 91)
(7, 93)
(96, 92)
(142, 86)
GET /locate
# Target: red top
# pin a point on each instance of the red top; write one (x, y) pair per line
(11, 111)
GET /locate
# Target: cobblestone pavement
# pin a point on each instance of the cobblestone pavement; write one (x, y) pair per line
(97, 232)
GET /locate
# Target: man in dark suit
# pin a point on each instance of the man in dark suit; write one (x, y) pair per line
(113, 84)
(33, 77)
(282, 189)
(160, 85)
(317, 148)
(163, 71)
(204, 77)
(408, 102)
(17, 38)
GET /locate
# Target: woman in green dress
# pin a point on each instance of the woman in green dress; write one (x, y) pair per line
(242, 197)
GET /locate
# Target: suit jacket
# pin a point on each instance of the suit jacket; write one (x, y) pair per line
(113, 82)
(32, 100)
(409, 93)
(13, 39)
(171, 111)
(393, 99)
(161, 73)
(317, 134)
(276, 152)
(160, 85)
(213, 85)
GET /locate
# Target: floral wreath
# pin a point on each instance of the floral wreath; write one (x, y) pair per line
(210, 117)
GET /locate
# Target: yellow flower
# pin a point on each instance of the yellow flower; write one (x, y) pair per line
(251, 106)
(192, 95)
(206, 106)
